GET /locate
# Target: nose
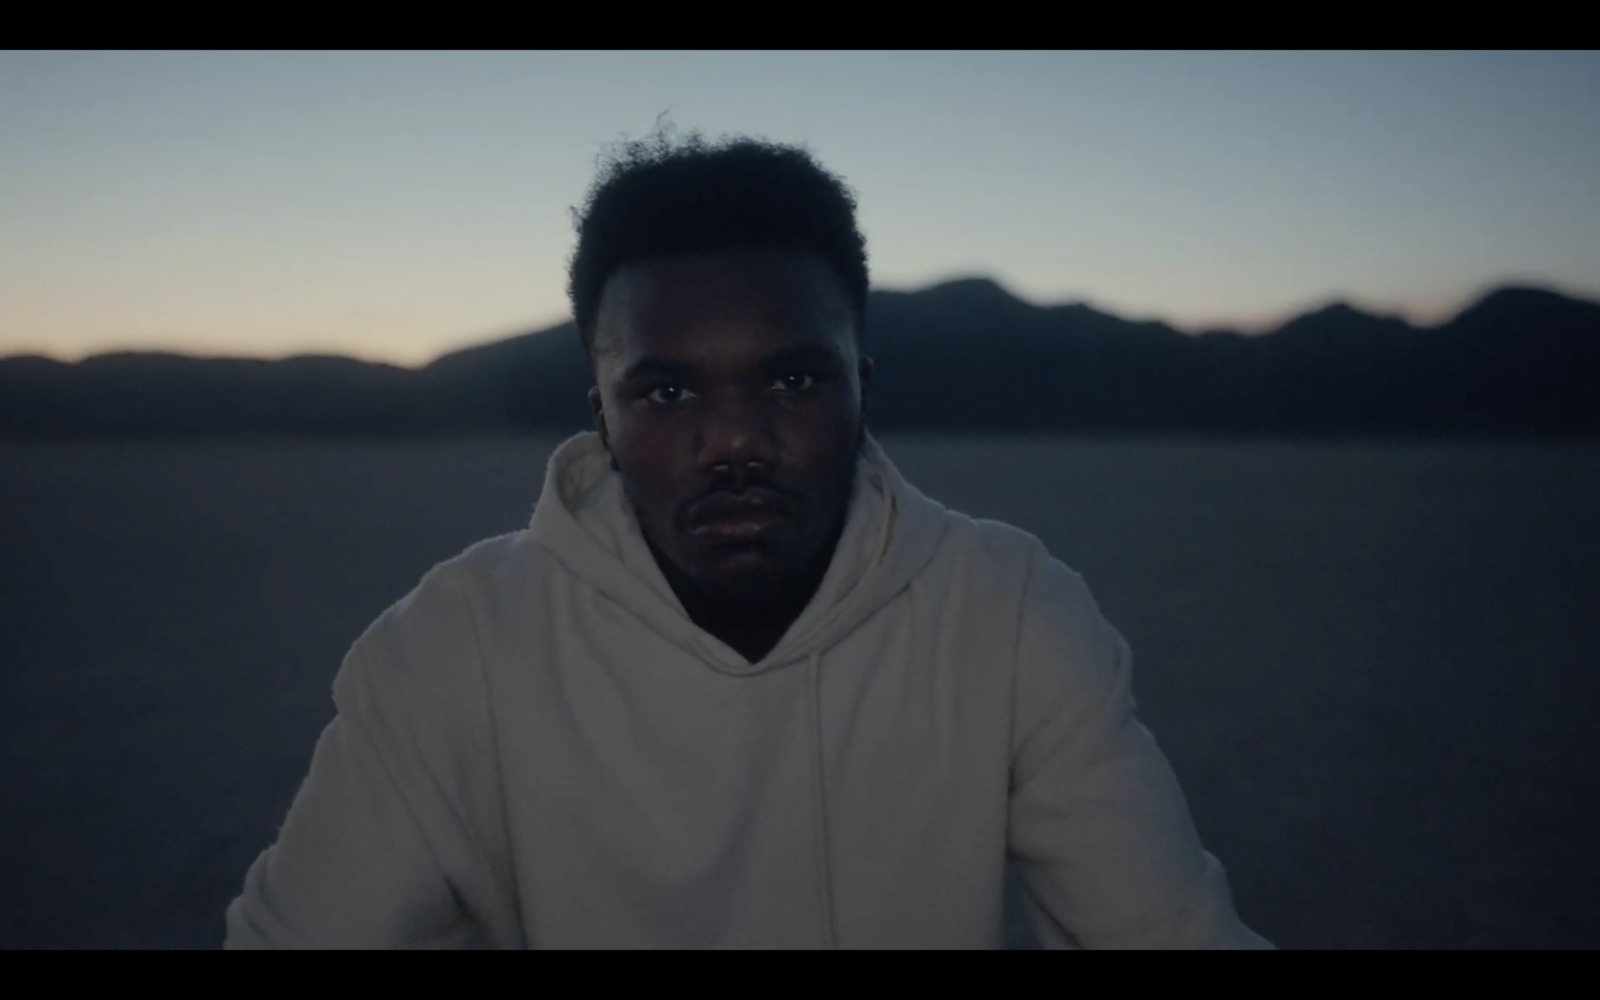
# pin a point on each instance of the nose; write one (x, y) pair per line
(737, 437)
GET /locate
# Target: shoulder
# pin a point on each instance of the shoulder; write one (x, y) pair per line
(1005, 573)
(1005, 586)
(1014, 561)
(428, 644)
(440, 603)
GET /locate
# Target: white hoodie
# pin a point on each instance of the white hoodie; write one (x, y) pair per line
(537, 748)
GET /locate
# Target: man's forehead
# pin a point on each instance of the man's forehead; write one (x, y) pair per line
(759, 296)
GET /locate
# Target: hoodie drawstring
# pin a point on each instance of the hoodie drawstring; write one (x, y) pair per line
(820, 804)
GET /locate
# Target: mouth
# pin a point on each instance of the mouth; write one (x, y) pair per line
(749, 517)
(737, 528)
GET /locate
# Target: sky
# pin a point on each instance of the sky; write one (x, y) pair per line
(397, 205)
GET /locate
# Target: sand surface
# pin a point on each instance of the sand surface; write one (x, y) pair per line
(1373, 667)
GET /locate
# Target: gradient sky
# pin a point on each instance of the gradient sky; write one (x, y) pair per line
(396, 205)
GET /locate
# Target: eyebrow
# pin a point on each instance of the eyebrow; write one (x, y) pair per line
(805, 355)
(649, 367)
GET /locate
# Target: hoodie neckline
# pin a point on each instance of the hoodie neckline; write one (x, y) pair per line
(585, 520)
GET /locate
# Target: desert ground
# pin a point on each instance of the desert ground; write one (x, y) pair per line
(1373, 667)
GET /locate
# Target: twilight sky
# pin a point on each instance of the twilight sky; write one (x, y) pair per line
(397, 205)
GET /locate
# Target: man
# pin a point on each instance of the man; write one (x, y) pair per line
(738, 684)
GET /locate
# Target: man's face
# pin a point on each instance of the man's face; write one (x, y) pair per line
(731, 394)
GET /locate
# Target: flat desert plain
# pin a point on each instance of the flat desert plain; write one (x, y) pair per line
(1374, 667)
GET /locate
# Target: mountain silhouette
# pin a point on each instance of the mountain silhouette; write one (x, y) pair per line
(961, 356)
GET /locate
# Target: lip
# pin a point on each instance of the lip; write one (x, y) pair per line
(750, 526)
(730, 516)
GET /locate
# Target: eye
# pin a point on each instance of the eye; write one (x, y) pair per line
(666, 395)
(794, 382)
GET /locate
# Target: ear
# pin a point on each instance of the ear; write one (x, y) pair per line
(600, 424)
(865, 372)
(599, 416)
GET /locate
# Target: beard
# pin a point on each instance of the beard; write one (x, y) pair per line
(760, 582)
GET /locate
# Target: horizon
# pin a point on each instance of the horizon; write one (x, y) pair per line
(551, 328)
(394, 207)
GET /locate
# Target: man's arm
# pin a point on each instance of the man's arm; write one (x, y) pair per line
(375, 852)
(1099, 828)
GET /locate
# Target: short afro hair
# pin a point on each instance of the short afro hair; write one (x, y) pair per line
(662, 197)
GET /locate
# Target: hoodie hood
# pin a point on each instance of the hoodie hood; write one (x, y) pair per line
(584, 519)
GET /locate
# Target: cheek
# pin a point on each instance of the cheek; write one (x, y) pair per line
(650, 460)
(816, 438)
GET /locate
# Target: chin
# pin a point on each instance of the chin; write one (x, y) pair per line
(746, 577)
